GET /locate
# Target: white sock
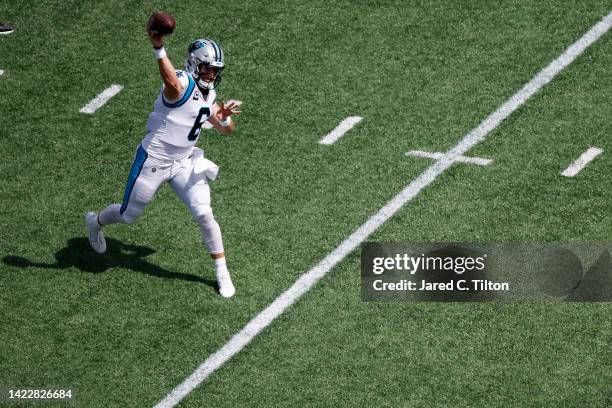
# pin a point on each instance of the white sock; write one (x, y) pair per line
(221, 265)
(226, 287)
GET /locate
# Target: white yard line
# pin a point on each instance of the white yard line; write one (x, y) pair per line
(581, 162)
(309, 279)
(438, 155)
(100, 99)
(344, 126)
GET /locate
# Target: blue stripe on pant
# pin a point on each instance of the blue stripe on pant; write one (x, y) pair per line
(141, 157)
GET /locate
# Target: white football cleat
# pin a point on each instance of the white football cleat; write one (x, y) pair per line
(96, 237)
(226, 287)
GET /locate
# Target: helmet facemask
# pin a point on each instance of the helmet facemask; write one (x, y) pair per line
(202, 76)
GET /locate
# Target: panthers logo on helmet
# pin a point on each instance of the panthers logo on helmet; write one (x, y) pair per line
(195, 45)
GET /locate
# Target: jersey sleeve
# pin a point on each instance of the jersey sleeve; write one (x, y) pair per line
(186, 81)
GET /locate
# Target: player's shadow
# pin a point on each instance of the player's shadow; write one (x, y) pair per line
(79, 254)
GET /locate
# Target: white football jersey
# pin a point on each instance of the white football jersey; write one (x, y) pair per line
(174, 128)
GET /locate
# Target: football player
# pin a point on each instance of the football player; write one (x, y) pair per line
(168, 153)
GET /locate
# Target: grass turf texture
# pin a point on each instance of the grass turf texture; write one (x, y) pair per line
(126, 327)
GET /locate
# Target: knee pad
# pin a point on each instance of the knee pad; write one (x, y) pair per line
(200, 210)
(205, 217)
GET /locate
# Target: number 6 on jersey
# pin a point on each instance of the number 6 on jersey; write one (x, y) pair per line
(197, 125)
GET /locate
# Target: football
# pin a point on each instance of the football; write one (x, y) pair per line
(162, 23)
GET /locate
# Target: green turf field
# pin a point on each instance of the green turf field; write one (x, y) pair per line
(126, 327)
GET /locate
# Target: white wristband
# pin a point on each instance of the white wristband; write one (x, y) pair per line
(225, 122)
(160, 53)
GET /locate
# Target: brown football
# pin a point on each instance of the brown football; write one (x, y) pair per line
(162, 23)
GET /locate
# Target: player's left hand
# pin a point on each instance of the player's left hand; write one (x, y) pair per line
(232, 107)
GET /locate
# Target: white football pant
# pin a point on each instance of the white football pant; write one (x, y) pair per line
(147, 174)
